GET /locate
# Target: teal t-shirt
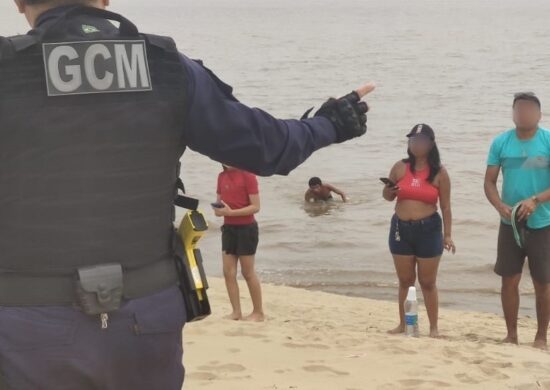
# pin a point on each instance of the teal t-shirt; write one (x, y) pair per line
(526, 170)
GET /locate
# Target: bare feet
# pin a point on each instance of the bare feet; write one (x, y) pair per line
(234, 317)
(510, 340)
(400, 329)
(434, 333)
(255, 317)
(541, 344)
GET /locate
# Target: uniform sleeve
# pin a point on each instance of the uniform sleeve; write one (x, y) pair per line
(251, 182)
(227, 131)
(494, 158)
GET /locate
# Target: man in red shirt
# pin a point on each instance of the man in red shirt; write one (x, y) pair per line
(239, 200)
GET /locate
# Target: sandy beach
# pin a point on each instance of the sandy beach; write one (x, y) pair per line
(315, 340)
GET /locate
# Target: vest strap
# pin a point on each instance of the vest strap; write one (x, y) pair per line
(184, 201)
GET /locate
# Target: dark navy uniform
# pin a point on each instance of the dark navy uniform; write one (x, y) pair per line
(93, 122)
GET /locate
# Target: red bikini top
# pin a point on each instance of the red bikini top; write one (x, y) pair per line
(417, 187)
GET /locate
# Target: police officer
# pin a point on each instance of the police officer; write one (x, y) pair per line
(93, 121)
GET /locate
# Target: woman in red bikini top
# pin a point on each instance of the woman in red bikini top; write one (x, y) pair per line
(421, 180)
(418, 234)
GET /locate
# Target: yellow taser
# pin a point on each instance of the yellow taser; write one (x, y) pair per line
(193, 283)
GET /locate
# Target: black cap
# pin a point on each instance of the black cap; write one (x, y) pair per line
(422, 129)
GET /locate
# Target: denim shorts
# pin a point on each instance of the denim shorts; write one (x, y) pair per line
(422, 238)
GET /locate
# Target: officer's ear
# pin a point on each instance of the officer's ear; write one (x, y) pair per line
(106, 3)
(20, 6)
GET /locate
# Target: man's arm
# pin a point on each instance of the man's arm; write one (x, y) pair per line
(226, 130)
(492, 194)
(544, 197)
(337, 191)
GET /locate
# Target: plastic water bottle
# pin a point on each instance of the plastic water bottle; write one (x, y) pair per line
(411, 314)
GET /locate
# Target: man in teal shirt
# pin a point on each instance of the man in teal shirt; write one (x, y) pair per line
(523, 155)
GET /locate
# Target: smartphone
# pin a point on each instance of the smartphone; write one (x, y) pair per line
(388, 182)
(217, 205)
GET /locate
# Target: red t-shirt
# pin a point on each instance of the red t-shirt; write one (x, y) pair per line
(234, 188)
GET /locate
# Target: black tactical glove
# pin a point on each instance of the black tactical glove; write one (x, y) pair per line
(347, 114)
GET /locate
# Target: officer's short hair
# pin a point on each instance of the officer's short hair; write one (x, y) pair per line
(57, 2)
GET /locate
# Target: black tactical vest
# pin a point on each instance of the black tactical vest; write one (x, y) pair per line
(91, 133)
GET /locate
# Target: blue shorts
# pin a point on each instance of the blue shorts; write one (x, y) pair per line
(423, 238)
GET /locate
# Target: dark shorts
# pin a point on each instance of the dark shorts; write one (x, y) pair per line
(240, 240)
(423, 238)
(511, 258)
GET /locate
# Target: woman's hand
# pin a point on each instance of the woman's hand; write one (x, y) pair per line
(226, 211)
(391, 192)
(449, 245)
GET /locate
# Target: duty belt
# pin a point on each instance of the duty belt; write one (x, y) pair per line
(22, 289)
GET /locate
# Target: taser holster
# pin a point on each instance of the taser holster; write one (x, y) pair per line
(193, 283)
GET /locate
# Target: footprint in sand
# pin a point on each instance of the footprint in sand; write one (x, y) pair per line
(282, 371)
(471, 337)
(532, 365)
(493, 372)
(234, 350)
(501, 364)
(451, 353)
(320, 368)
(202, 376)
(467, 379)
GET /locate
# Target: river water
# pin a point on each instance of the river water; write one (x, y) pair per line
(452, 64)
